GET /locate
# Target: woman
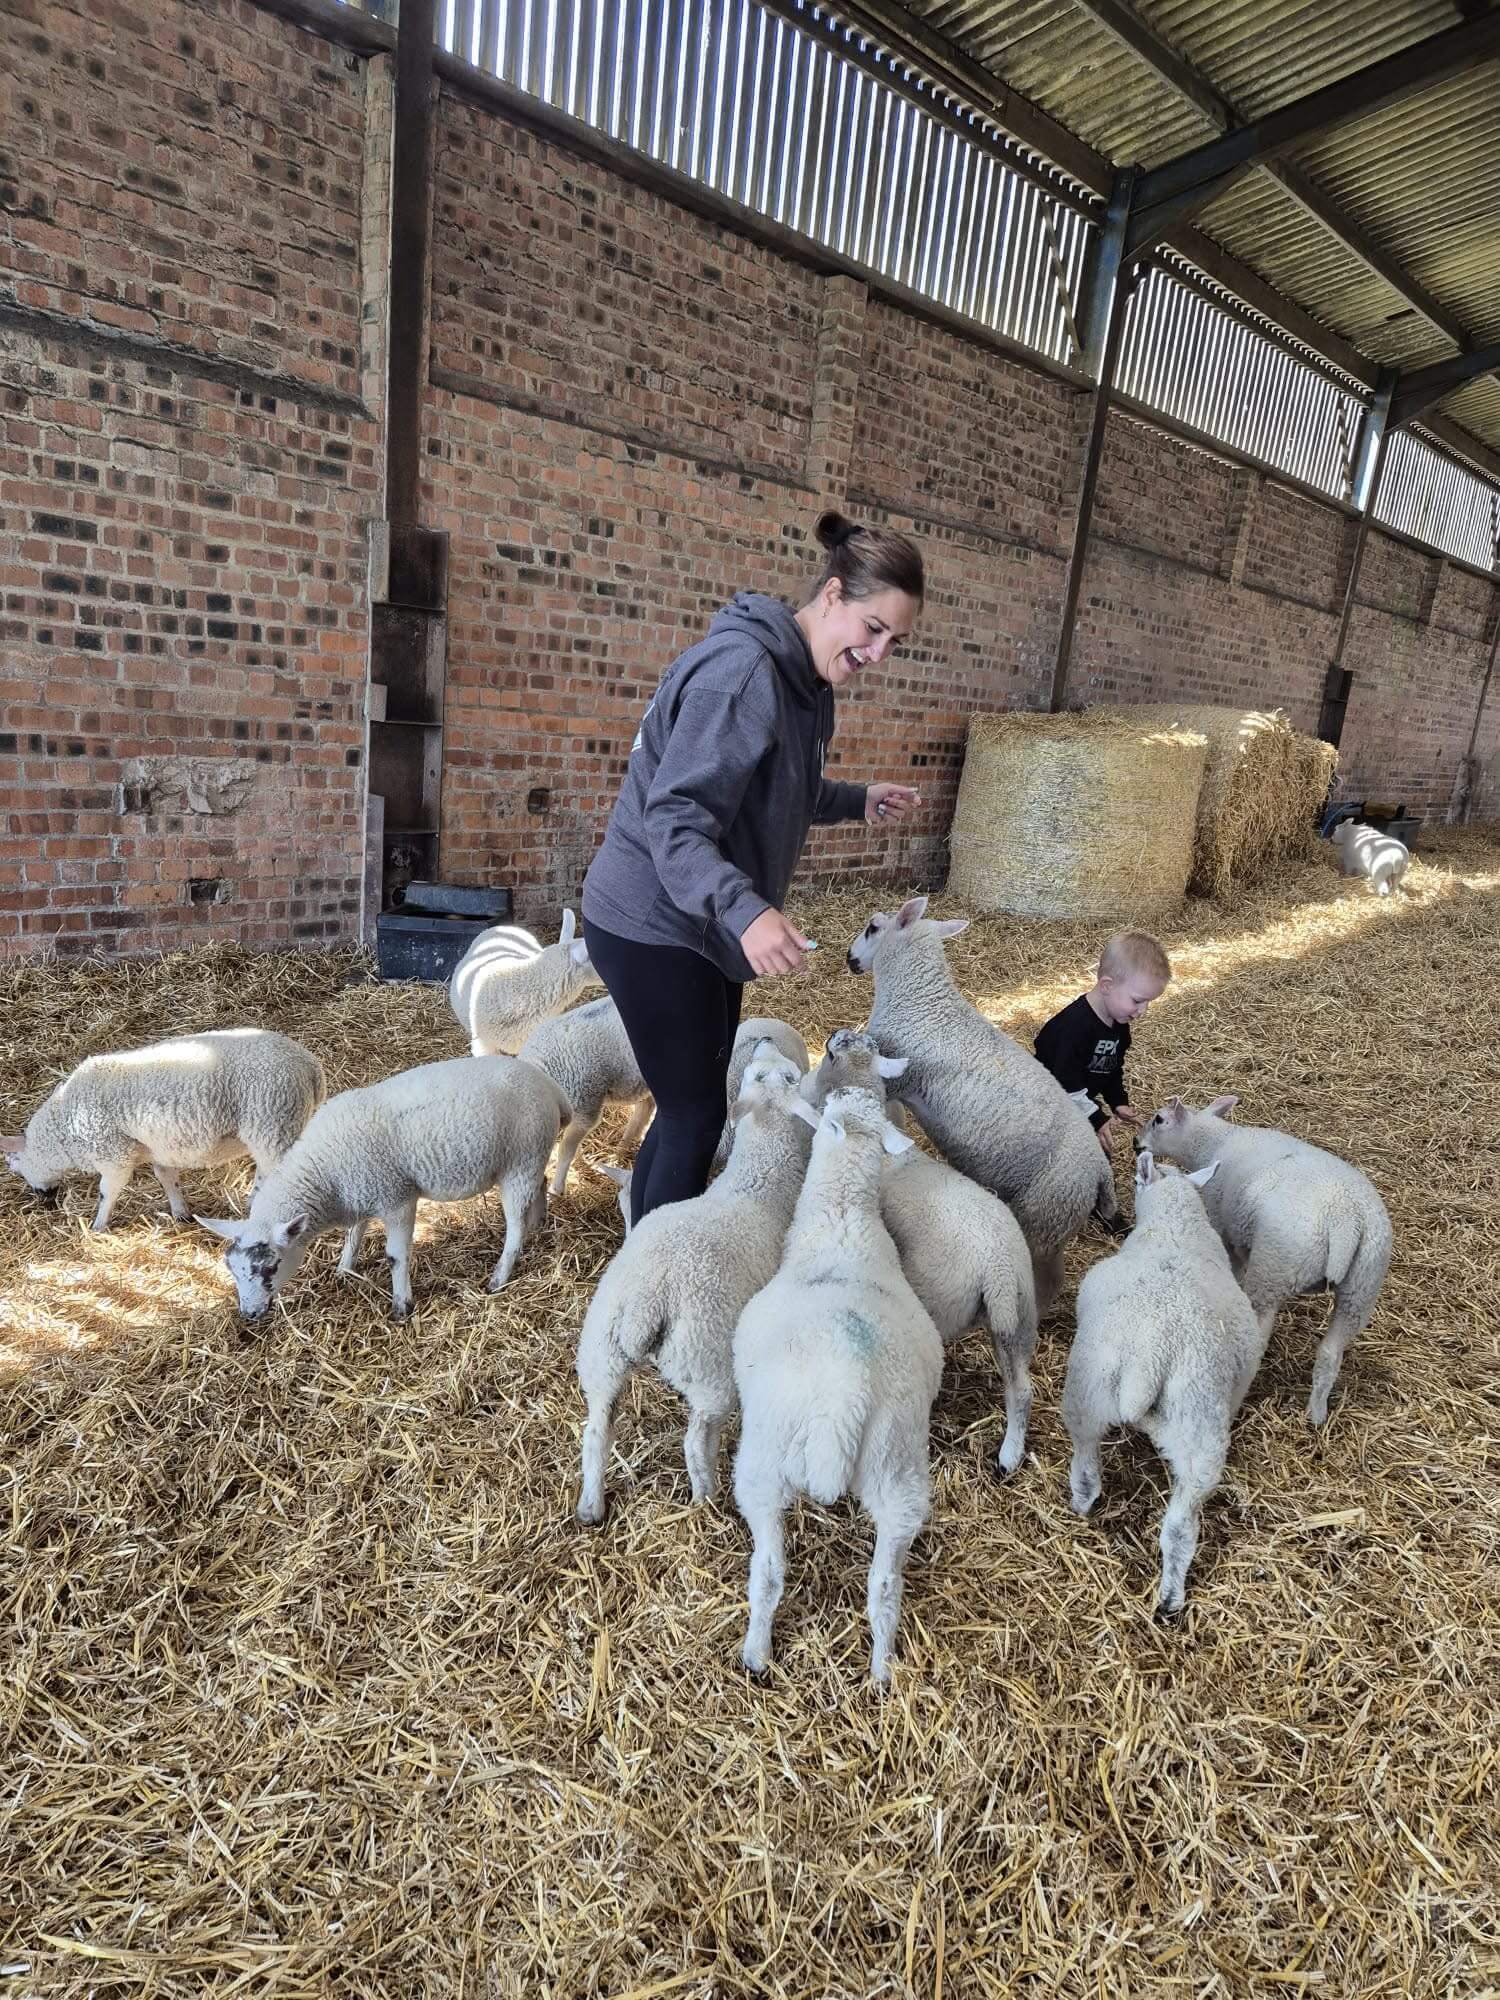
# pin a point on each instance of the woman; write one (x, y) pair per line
(681, 904)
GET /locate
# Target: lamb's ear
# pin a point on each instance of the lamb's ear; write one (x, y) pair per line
(800, 1108)
(835, 1124)
(807, 1087)
(1201, 1176)
(288, 1232)
(910, 911)
(12, 1143)
(889, 1066)
(1172, 1112)
(1219, 1106)
(738, 1109)
(894, 1139)
(619, 1175)
(569, 925)
(951, 926)
(221, 1226)
(579, 952)
(1146, 1170)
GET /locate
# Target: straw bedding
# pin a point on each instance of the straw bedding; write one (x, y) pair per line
(1075, 815)
(314, 1687)
(1262, 788)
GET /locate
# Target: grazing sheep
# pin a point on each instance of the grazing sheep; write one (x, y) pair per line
(507, 983)
(1294, 1218)
(443, 1132)
(193, 1101)
(759, 1028)
(961, 1248)
(837, 1364)
(996, 1113)
(1167, 1343)
(587, 1054)
(675, 1290)
(1364, 851)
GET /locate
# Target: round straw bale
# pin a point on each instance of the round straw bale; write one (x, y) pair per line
(1261, 792)
(1084, 815)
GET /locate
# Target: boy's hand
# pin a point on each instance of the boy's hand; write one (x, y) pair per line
(1127, 1114)
(1107, 1133)
(885, 801)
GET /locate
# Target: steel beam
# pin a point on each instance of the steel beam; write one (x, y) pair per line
(1369, 462)
(1419, 388)
(411, 231)
(1107, 288)
(1173, 190)
(1191, 84)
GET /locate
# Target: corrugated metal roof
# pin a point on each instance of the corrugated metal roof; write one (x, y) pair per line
(1420, 178)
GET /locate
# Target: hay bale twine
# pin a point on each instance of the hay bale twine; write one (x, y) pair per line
(1087, 815)
(1262, 790)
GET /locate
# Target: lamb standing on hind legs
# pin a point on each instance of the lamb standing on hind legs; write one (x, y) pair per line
(837, 1365)
(1294, 1219)
(995, 1112)
(1168, 1344)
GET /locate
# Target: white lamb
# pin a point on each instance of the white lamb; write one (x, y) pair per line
(443, 1132)
(675, 1290)
(507, 983)
(1167, 1343)
(759, 1028)
(587, 1054)
(1294, 1218)
(996, 1113)
(1364, 851)
(837, 1364)
(961, 1248)
(193, 1101)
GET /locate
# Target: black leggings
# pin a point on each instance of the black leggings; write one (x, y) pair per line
(680, 1013)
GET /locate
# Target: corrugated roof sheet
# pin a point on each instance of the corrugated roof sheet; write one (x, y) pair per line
(1421, 179)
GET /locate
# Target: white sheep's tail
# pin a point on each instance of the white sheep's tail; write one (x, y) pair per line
(1359, 1255)
(821, 1453)
(1141, 1381)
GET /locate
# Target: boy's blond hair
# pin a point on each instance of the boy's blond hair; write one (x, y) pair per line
(1134, 951)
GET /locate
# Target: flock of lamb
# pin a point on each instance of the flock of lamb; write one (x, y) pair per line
(813, 1286)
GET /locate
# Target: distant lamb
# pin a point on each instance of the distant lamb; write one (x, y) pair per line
(837, 1365)
(997, 1114)
(1364, 851)
(1294, 1218)
(587, 1054)
(961, 1248)
(193, 1101)
(507, 983)
(443, 1132)
(1167, 1343)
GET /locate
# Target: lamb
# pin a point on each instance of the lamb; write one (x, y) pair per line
(507, 983)
(961, 1248)
(1364, 851)
(1167, 1343)
(676, 1288)
(193, 1101)
(837, 1364)
(995, 1112)
(1294, 1218)
(759, 1028)
(443, 1132)
(587, 1054)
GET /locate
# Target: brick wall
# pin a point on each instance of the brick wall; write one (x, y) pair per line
(632, 412)
(185, 473)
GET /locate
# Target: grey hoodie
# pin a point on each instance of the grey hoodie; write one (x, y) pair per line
(724, 780)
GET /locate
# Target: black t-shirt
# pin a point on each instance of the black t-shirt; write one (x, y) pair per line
(1085, 1053)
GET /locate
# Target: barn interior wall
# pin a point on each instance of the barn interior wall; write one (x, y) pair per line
(632, 411)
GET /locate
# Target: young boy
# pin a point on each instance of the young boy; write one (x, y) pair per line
(1085, 1045)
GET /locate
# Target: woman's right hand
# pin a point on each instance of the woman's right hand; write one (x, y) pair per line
(773, 945)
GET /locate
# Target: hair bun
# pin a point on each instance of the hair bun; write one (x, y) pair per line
(834, 529)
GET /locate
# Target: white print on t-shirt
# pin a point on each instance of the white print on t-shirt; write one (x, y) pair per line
(1103, 1058)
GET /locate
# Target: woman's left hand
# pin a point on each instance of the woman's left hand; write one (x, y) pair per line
(889, 801)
